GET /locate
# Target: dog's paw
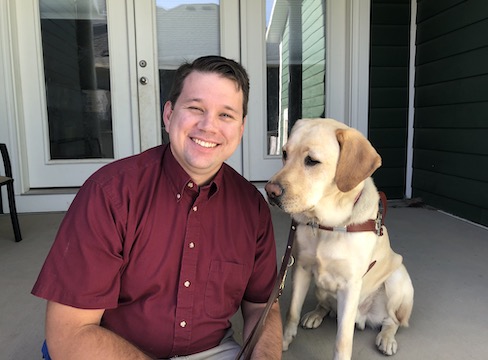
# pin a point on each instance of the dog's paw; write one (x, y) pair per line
(288, 335)
(313, 319)
(386, 343)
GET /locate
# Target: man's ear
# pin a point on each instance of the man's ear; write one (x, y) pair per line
(357, 159)
(167, 112)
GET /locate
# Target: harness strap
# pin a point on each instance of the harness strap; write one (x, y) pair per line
(375, 225)
(250, 343)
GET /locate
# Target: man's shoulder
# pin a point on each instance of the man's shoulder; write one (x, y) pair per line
(131, 166)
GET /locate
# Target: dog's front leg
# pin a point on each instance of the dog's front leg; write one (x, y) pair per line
(347, 307)
(301, 282)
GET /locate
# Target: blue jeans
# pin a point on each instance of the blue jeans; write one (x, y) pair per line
(45, 353)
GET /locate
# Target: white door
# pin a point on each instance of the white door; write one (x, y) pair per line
(105, 67)
(78, 90)
(168, 33)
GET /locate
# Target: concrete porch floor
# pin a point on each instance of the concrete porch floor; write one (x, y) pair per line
(445, 256)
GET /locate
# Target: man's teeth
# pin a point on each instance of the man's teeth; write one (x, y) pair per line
(205, 143)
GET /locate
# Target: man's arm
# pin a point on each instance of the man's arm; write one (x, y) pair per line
(269, 345)
(73, 333)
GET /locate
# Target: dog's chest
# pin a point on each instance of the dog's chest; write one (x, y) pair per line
(335, 258)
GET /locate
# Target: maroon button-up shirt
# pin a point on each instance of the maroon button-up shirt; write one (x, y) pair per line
(168, 260)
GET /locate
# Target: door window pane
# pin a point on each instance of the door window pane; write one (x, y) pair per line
(295, 57)
(77, 78)
(186, 30)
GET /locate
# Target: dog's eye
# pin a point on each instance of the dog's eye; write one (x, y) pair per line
(285, 155)
(311, 162)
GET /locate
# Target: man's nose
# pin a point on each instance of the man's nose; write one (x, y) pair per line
(208, 121)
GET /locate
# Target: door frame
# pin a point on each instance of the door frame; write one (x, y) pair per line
(347, 76)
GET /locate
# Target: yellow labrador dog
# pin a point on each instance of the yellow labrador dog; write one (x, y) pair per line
(325, 185)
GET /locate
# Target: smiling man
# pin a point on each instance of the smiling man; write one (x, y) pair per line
(159, 250)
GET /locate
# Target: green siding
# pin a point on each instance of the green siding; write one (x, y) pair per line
(451, 107)
(313, 76)
(388, 106)
(313, 61)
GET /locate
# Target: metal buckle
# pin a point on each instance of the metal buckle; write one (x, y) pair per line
(291, 262)
(378, 224)
(340, 228)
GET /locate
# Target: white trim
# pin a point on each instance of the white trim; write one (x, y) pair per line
(347, 59)
(411, 102)
(144, 48)
(230, 47)
(257, 165)
(9, 133)
(359, 39)
(28, 203)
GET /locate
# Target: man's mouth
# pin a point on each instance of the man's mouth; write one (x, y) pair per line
(205, 144)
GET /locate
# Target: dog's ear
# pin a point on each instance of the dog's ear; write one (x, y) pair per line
(357, 159)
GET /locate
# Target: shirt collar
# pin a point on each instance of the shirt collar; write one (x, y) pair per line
(180, 179)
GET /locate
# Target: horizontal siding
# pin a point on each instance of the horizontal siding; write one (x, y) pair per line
(466, 90)
(388, 103)
(453, 67)
(437, 18)
(390, 56)
(451, 107)
(452, 43)
(470, 115)
(389, 117)
(469, 141)
(313, 58)
(460, 165)
(462, 190)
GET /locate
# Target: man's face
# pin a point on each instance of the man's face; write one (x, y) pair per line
(205, 125)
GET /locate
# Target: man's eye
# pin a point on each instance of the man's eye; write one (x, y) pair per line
(311, 162)
(195, 108)
(226, 116)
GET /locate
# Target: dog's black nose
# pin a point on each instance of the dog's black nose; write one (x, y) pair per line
(274, 191)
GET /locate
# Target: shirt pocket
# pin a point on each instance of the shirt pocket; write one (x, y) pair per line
(225, 288)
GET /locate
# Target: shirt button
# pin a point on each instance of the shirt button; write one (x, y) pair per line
(191, 245)
(195, 208)
(183, 324)
(186, 283)
(190, 184)
(178, 196)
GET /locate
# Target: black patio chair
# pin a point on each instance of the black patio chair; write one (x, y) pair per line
(8, 181)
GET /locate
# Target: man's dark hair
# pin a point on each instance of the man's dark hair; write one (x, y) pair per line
(212, 64)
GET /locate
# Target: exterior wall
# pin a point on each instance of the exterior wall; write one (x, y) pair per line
(389, 76)
(313, 61)
(451, 107)
(313, 91)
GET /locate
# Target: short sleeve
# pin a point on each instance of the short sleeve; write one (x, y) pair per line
(83, 266)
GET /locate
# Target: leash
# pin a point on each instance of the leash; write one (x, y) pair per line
(250, 343)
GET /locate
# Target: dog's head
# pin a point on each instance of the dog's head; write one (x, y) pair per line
(323, 159)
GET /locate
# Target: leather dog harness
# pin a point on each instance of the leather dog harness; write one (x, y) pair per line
(375, 225)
